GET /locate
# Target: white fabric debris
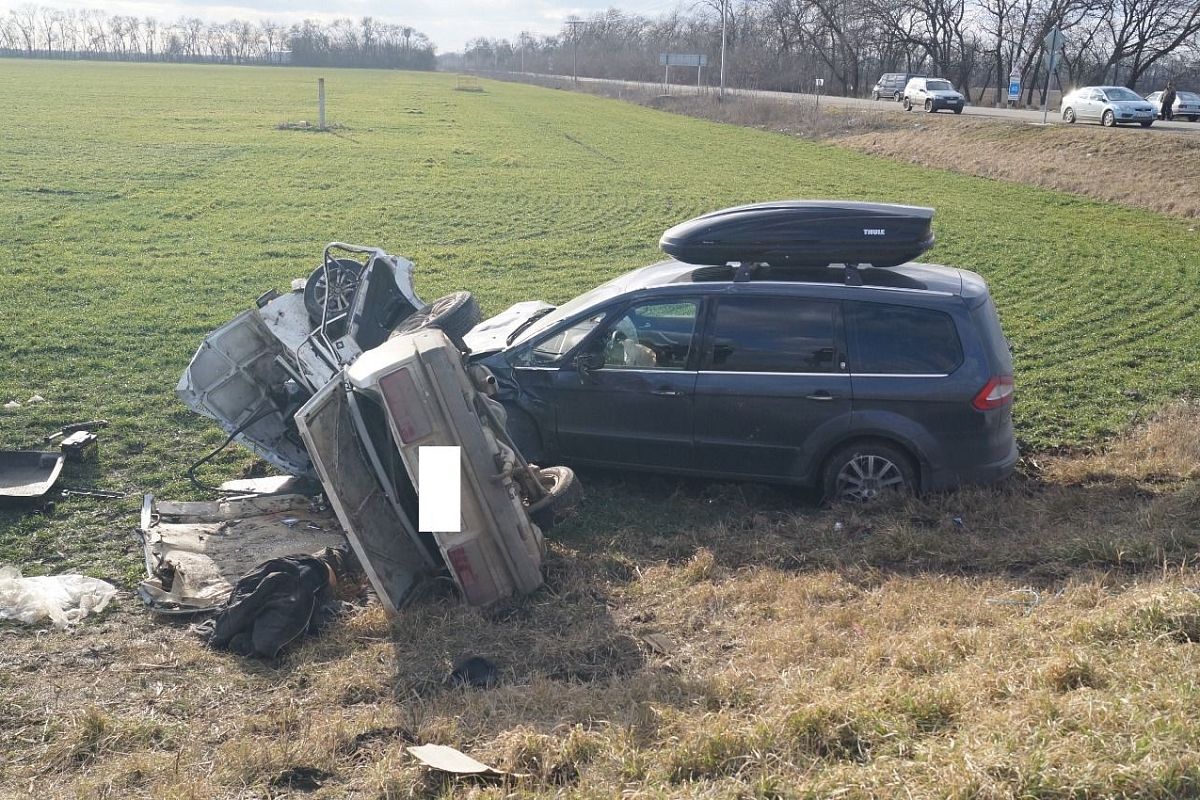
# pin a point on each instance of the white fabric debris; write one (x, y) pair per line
(37, 398)
(63, 599)
(12, 405)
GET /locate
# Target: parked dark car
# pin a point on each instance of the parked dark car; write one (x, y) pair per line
(775, 367)
(891, 85)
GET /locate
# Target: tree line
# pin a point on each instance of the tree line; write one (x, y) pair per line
(38, 31)
(786, 44)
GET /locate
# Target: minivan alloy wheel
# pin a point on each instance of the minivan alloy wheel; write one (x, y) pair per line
(867, 476)
(863, 472)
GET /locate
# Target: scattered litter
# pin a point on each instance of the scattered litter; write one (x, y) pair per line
(291, 522)
(476, 671)
(33, 401)
(66, 430)
(1028, 599)
(63, 599)
(838, 527)
(70, 491)
(80, 446)
(12, 405)
(447, 759)
(305, 779)
(274, 484)
(659, 643)
(958, 522)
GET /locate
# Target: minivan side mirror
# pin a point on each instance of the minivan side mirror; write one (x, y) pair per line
(588, 362)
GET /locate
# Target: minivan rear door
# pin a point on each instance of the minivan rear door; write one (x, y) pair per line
(772, 388)
(911, 377)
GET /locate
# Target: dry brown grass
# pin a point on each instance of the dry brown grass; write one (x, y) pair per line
(1033, 641)
(1154, 170)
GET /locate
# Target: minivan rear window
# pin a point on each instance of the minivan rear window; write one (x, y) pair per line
(901, 340)
(773, 334)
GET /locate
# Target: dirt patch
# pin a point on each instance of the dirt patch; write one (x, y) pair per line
(1154, 170)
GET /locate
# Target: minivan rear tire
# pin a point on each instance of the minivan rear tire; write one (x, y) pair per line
(863, 471)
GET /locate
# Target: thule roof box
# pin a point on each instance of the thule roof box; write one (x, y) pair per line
(804, 233)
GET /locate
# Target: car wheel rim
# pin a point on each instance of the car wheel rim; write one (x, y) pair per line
(865, 477)
(338, 283)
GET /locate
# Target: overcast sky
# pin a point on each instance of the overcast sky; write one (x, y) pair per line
(449, 23)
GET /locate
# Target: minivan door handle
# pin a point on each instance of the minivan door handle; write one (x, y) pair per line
(666, 392)
(822, 395)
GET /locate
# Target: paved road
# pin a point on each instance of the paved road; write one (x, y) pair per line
(882, 106)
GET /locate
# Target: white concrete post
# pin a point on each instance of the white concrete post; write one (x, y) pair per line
(321, 104)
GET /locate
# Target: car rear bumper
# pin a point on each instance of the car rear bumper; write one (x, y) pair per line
(977, 475)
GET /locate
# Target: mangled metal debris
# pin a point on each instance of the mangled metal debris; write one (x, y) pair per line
(28, 474)
(195, 552)
(343, 379)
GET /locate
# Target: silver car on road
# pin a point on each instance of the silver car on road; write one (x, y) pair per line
(1187, 105)
(1108, 105)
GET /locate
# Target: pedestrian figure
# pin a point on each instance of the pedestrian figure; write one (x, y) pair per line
(1167, 102)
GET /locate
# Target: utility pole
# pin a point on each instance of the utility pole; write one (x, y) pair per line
(723, 3)
(575, 23)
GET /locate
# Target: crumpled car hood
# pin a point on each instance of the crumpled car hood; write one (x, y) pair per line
(492, 334)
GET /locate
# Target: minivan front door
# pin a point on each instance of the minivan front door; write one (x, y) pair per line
(627, 398)
(772, 390)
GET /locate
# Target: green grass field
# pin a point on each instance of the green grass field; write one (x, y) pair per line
(140, 207)
(901, 652)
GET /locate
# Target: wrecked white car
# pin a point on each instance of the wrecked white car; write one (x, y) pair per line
(343, 379)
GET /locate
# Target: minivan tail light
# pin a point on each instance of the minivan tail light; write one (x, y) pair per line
(995, 393)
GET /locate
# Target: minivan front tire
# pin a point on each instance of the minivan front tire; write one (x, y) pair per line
(864, 471)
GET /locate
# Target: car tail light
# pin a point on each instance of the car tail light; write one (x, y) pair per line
(995, 393)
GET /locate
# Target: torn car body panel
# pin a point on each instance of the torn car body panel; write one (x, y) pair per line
(28, 474)
(195, 552)
(421, 382)
(380, 529)
(238, 377)
(254, 372)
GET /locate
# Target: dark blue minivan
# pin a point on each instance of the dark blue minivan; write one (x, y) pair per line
(767, 367)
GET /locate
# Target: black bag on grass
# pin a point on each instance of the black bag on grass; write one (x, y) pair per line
(277, 602)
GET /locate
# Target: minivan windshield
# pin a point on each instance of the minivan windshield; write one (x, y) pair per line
(939, 86)
(601, 293)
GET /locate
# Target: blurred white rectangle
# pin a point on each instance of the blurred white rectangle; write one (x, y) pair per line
(439, 483)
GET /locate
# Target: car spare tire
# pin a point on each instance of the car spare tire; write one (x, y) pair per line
(455, 315)
(563, 494)
(339, 281)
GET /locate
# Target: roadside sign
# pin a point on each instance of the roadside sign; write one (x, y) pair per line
(682, 60)
(1054, 42)
(1014, 86)
(820, 82)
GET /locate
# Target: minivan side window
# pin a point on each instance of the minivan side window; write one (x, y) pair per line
(655, 335)
(901, 340)
(773, 334)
